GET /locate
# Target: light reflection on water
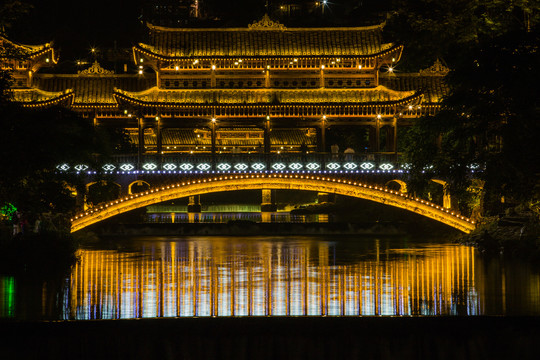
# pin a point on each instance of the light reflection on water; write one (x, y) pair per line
(263, 276)
(224, 217)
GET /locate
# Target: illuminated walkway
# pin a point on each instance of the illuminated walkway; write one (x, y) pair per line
(233, 182)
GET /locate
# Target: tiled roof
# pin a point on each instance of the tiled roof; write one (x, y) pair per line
(184, 42)
(27, 49)
(433, 87)
(255, 96)
(92, 90)
(30, 96)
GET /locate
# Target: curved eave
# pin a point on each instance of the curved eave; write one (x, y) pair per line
(90, 106)
(138, 49)
(38, 54)
(153, 27)
(122, 97)
(33, 52)
(67, 98)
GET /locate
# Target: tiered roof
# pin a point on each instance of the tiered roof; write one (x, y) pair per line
(265, 41)
(37, 97)
(28, 51)
(155, 95)
(92, 90)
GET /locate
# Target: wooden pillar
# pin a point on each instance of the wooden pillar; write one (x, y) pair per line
(321, 141)
(213, 139)
(267, 78)
(267, 144)
(322, 76)
(159, 139)
(377, 136)
(394, 146)
(140, 121)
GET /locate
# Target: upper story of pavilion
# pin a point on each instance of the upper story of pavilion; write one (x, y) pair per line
(267, 55)
(262, 70)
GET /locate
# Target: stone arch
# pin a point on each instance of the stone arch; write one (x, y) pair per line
(328, 184)
(402, 185)
(140, 184)
(100, 191)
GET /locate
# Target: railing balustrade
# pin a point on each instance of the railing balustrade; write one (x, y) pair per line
(286, 162)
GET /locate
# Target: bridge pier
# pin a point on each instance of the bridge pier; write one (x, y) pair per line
(323, 197)
(268, 203)
(194, 204)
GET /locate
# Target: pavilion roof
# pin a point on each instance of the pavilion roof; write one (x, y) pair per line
(155, 95)
(37, 97)
(261, 40)
(24, 50)
(92, 89)
(433, 87)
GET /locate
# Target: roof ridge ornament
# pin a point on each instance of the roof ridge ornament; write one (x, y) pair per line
(266, 24)
(95, 70)
(437, 69)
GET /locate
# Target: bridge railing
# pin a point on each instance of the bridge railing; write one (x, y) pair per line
(292, 162)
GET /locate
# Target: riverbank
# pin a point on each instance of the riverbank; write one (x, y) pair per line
(276, 338)
(516, 234)
(241, 227)
(48, 251)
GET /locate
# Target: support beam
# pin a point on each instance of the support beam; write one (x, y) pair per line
(267, 144)
(140, 152)
(395, 149)
(323, 197)
(267, 202)
(159, 138)
(377, 136)
(194, 204)
(321, 138)
(213, 139)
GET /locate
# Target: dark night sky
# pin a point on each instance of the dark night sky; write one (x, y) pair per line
(76, 26)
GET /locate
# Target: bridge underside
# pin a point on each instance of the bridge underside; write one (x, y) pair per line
(327, 184)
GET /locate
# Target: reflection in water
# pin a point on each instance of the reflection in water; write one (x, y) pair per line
(7, 297)
(223, 217)
(220, 278)
(263, 276)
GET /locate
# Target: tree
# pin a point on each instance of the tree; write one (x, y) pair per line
(33, 144)
(443, 29)
(490, 116)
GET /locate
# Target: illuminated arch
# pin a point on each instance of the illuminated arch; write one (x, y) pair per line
(137, 182)
(402, 185)
(306, 182)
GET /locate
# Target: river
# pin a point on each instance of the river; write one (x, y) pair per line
(154, 277)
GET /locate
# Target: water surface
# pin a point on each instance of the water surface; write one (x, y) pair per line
(274, 276)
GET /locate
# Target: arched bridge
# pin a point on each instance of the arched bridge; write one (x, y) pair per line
(310, 182)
